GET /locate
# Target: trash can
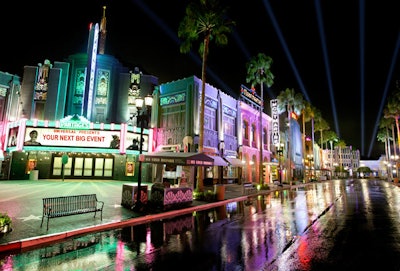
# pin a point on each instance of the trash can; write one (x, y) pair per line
(34, 175)
(219, 190)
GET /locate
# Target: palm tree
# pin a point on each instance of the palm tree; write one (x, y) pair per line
(206, 20)
(331, 137)
(290, 102)
(382, 136)
(392, 110)
(385, 124)
(259, 72)
(321, 125)
(316, 114)
(306, 115)
(310, 113)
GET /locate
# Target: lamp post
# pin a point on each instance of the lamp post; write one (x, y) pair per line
(144, 106)
(395, 169)
(331, 143)
(310, 160)
(280, 155)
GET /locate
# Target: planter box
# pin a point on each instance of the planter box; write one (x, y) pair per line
(174, 197)
(129, 192)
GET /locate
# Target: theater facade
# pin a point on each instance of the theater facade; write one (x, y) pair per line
(92, 151)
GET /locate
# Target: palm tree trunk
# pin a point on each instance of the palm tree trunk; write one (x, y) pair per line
(398, 135)
(395, 148)
(387, 152)
(260, 168)
(289, 172)
(200, 172)
(304, 145)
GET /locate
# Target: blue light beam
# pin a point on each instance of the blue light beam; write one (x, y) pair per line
(327, 65)
(173, 36)
(362, 73)
(395, 54)
(286, 49)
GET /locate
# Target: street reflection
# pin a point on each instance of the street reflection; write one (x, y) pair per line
(281, 230)
(241, 234)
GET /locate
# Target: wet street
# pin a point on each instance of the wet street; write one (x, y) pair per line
(338, 225)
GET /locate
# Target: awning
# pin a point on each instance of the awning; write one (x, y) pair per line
(234, 161)
(219, 161)
(183, 158)
(178, 158)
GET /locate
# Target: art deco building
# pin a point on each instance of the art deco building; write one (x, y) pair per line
(79, 107)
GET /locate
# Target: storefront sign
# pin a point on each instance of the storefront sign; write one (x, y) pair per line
(183, 158)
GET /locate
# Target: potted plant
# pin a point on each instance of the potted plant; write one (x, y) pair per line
(5, 223)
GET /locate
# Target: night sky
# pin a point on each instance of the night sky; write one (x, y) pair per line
(341, 55)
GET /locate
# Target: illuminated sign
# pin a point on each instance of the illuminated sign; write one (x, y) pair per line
(35, 136)
(275, 122)
(74, 125)
(251, 95)
(74, 122)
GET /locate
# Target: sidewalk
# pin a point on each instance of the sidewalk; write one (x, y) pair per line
(22, 200)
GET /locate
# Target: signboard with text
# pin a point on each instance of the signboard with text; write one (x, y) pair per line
(275, 122)
(35, 136)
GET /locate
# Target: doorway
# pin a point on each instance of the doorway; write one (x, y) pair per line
(84, 167)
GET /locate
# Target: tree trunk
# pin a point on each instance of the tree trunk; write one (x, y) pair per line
(289, 149)
(312, 147)
(260, 168)
(200, 171)
(304, 145)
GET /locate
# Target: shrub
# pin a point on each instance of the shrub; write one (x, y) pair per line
(5, 219)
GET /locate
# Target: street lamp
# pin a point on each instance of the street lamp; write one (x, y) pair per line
(331, 143)
(144, 107)
(280, 155)
(395, 170)
(310, 160)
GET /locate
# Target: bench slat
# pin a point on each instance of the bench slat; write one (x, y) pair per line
(71, 205)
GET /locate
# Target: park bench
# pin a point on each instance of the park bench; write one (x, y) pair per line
(71, 205)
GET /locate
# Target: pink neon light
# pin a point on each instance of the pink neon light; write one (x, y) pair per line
(151, 146)
(21, 135)
(122, 137)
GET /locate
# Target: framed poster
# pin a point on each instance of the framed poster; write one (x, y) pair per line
(130, 169)
(30, 165)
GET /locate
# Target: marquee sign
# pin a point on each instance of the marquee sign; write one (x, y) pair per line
(79, 138)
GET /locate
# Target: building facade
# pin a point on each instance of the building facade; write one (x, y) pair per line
(85, 108)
